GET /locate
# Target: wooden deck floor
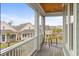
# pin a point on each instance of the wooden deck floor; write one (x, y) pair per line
(53, 50)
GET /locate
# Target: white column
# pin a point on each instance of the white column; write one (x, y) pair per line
(68, 13)
(37, 30)
(75, 29)
(64, 25)
(43, 27)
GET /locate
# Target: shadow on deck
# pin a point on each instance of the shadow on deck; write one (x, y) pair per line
(53, 50)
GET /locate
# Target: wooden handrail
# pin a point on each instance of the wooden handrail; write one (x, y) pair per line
(16, 45)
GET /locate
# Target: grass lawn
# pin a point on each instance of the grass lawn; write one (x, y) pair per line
(4, 45)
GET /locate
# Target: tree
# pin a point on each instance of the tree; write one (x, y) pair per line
(60, 37)
(55, 33)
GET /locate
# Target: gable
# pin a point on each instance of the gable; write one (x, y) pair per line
(27, 27)
(5, 26)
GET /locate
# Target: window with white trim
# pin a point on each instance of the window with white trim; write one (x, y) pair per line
(3, 38)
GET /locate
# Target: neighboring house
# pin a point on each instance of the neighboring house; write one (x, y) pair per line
(49, 31)
(20, 32)
(7, 33)
(25, 31)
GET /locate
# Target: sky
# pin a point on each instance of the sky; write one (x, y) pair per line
(19, 13)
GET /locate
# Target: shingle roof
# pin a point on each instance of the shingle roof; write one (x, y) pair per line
(27, 31)
(7, 31)
(19, 27)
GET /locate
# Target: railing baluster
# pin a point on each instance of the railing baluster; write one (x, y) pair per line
(15, 52)
(9, 53)
(24, 50)
(6, 54)
(19, 50)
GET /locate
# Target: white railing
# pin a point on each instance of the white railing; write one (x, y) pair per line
(23, 48)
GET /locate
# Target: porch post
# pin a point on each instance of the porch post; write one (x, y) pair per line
(64, 25)
(43, 27)
(68, 13)
(75, 28)
(37, 29)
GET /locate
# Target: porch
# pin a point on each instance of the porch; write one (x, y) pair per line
(36, 46)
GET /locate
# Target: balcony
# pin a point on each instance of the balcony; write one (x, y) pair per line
(36, 46)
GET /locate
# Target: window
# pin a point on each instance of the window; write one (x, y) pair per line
(3, 37)
(13, 36)
(24, 35)
(0, 38)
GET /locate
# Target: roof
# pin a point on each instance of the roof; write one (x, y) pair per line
(27, 31)
(7, 31)
(6, 26)
(47, 27)
(19, 27)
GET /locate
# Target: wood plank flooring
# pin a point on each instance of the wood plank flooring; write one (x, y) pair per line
(53, 50)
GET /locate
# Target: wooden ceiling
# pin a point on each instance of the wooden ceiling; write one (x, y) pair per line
(52, 7)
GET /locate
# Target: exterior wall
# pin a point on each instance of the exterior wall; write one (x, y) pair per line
(47, 34)
(15, 38)
(27, 34)
(6, 40)
(28, 27)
